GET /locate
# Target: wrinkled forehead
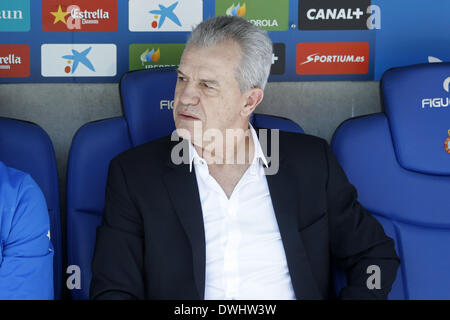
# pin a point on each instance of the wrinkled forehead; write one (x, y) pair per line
(218, 61)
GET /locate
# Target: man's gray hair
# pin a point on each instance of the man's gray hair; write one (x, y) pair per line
(256, 47)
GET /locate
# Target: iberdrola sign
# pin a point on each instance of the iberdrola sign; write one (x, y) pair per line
(265, 14)
(155, 55)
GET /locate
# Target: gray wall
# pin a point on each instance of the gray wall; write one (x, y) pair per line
(61, 109)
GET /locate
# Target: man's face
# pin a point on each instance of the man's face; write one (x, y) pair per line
(207, 91)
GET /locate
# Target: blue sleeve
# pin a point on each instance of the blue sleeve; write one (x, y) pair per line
(26, 270)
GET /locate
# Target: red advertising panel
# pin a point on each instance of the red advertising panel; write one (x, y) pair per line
(79, 15)
(332, 58)
(14, 60)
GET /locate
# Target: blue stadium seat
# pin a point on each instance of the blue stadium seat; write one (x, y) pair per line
(398, 162)
(27, 147)
(146, 96)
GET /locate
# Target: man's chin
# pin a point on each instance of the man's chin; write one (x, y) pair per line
(185, 131)
(191, 133)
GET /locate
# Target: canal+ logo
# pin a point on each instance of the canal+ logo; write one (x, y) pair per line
(338, 15)
(14, 15)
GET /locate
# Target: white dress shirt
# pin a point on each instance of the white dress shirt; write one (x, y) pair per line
(245, 258)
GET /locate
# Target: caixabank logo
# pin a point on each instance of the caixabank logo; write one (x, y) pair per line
(155, 55)
(79, 60)
(14, 15)
(332, 58)
(14, 60)
(164, 15)
(79, 15)
(338, 15)
(265, 14)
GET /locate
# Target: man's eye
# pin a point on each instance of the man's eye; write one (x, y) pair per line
(204, 84)
(181, 78)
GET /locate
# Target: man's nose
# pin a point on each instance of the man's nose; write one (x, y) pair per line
(189, 94)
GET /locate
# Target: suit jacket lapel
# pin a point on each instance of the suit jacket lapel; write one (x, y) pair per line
(183, 190)
(285, 199)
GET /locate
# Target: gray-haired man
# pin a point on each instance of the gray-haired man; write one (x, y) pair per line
(215, 226)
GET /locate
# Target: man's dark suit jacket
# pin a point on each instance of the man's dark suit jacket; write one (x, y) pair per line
(151, 242)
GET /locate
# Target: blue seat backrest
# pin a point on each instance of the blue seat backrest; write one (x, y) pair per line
(147, 98)
(27, 147)
(93, 147)
(398, 162)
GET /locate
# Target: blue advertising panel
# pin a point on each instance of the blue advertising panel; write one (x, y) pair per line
(314, 40)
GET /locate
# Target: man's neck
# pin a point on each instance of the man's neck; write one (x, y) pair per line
(235, 148)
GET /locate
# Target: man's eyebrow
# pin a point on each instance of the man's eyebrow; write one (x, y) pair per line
(180, 72)
(209, 81)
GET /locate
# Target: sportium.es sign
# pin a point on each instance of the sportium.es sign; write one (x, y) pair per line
(155, 55)
(265, 14)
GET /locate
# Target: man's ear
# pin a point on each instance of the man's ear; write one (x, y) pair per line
(253, 98)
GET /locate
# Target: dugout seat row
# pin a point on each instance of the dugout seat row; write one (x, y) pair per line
(396, 159)
(27, 147)
(146, 99)
(399, 161)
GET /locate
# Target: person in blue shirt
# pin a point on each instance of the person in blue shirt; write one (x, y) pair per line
(26, 252)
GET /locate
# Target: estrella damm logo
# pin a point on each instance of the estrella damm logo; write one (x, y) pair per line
(265, 14)
(14, 15)
(447, 143)
(278, 58)
(14, 60)
(155, 55)
(79, 15)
